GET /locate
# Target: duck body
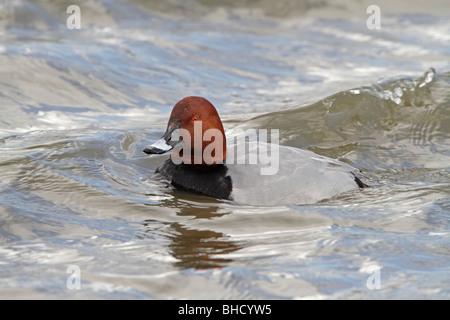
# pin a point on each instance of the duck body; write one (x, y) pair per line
(301, 176)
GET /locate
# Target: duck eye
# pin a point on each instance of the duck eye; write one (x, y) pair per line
(195, 118)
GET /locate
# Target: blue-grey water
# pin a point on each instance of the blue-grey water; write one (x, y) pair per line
(82, 217)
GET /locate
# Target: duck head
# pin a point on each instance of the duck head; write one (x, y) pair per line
(201, 137)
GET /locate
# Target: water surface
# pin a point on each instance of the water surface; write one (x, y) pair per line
(79, 106)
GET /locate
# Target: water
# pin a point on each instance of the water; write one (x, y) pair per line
(79, 106)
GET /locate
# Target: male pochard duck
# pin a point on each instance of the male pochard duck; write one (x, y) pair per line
(198, 163)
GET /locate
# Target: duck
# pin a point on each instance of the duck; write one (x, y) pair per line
(201, 161)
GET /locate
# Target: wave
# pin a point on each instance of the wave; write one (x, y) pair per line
(392, 123)
(49, 14)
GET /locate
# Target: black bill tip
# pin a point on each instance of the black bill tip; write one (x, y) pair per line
(153, 150)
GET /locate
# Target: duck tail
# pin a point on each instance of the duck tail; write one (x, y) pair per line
(359, 182)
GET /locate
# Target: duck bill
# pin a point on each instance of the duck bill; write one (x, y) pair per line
(164, 144)
(159, 147)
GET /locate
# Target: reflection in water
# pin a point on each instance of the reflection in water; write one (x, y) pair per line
(199, 249)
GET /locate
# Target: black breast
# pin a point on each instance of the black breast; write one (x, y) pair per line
(211, 181)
